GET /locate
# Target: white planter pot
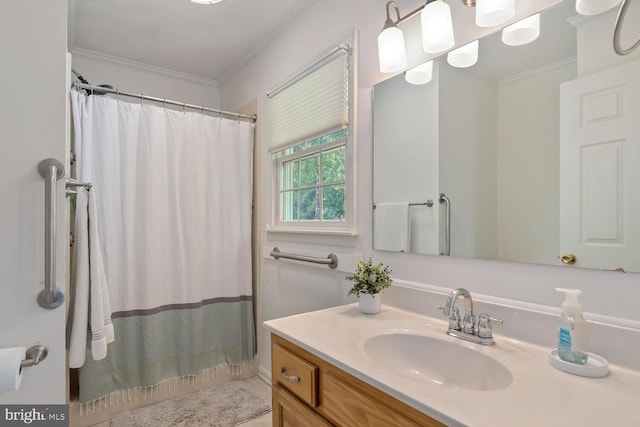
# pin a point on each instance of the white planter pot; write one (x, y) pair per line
(369, 304)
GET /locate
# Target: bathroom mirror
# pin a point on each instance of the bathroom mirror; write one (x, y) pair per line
(472, 165)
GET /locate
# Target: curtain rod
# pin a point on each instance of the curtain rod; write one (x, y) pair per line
(101, 89)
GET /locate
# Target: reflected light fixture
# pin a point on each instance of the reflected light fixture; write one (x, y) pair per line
(522, 32)
(391, 50)
(594, 7)
(420, 74)
(490, 13)
(464, 56)
(437, 27)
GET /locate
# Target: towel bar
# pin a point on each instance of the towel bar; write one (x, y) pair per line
(331, 260)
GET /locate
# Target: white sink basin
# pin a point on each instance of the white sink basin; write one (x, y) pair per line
(425, 358)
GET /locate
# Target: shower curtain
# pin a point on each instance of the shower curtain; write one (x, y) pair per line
(173, 195)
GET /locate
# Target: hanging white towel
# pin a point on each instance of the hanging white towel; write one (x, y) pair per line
(391, 230)
(91, 311)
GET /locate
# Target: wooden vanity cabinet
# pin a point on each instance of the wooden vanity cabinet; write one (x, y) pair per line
(310, 392)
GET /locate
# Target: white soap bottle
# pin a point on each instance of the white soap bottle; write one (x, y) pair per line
(572, 329)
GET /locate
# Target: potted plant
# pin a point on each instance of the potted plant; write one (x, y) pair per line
(368, 281)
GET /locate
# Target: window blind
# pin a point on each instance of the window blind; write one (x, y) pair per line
(314, 103)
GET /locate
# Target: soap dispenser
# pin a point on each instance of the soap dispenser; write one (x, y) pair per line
(572, 329)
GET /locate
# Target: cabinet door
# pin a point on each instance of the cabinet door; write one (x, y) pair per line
(288, 411)
(348, 406)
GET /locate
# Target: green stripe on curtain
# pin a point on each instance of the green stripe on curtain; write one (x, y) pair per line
(170, 343)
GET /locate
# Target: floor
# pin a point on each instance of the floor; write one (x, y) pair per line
(263, 421)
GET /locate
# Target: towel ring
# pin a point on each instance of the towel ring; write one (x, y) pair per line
(617, 45)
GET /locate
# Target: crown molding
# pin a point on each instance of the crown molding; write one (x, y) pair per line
(97, 56)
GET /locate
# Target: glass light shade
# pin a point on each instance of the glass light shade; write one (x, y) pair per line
(522, 32)
(490, 13)
(594, 7)
(464, 56)
(420, 74)
(391, 50)
(437, 27)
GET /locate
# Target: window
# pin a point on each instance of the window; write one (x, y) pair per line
(311, 180)
(310, 147)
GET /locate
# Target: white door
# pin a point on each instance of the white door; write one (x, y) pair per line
(600, 169)
(33, 41)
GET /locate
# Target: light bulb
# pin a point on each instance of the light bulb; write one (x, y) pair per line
(464, 56)
(490, 13)
(420, 74)
(391, 50)
(437, 27)
(522, 32)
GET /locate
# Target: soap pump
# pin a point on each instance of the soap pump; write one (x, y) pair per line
(572, 329)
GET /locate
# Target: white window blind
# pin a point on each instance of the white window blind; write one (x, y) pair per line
(314, 103)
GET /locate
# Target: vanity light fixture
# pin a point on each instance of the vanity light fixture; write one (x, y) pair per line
(522, 32)
(594, 7)
(436, 26)
(206, 1)
(420, 74)
(464, 56)
(392, 53)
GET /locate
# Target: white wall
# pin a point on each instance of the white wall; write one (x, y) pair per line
(33, 44)
(144, 79)
(289, 289)
(529, 165)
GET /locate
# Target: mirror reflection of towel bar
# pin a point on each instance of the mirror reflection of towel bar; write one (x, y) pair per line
(427, 203)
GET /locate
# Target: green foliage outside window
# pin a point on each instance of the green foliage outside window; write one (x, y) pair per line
(313, 185)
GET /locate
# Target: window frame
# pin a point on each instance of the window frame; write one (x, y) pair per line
(330, 227)
(318, 151)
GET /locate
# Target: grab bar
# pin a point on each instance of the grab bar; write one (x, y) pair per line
(447, 224)
(50, 297)
(331, 260)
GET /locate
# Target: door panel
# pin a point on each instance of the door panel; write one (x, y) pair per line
(600, 169)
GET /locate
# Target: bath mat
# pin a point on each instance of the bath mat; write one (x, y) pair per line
(224, 405)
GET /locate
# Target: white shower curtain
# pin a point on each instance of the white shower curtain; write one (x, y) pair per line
(173, 195)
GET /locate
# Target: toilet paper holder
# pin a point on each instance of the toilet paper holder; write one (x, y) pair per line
(34, 355)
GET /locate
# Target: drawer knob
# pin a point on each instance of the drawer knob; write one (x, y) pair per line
(291, 378)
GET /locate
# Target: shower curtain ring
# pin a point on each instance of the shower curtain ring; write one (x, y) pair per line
(164, 104)
(141, 99)
(184, 108)
(118, 95)
(203, 111)
(91, 89)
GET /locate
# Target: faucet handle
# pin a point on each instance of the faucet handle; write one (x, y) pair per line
(454, 319)
(484, 325)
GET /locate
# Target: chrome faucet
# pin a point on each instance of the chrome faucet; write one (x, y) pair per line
(480, 334)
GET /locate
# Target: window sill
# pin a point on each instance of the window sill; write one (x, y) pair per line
(312, 231)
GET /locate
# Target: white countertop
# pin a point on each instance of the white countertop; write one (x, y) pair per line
(539, 396)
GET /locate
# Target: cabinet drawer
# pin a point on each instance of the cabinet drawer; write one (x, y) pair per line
(295, 374)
